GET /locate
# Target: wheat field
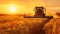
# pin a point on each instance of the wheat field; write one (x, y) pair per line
(20, 25)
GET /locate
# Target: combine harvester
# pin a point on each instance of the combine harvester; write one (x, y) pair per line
(39, 13)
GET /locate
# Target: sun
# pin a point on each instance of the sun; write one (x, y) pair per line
(12, 9)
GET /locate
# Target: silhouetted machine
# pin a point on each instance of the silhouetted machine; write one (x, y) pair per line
(39, 13)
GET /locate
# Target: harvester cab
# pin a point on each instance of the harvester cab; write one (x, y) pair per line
(39, 12)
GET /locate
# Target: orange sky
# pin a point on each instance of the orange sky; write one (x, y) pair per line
(23, 6)
(27, 6)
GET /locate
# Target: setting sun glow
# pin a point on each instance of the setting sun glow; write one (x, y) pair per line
(12, 9)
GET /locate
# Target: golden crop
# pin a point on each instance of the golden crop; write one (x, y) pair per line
(19, 25)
